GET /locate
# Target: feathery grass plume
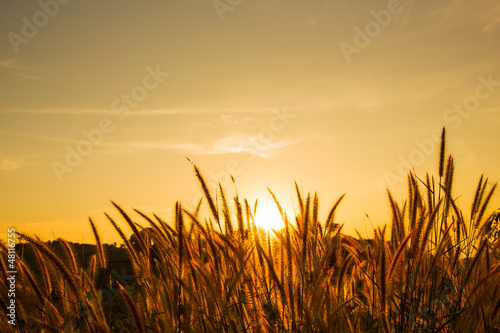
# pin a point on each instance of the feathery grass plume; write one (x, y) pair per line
(160, 234)
(355, 247)
(315, 221)
(428, 229)
(169, 232)
(225, 243)
(305, 231)
(132, 307)
(398, 256)
(89, 314)
(55, 261)
(442, 152)
(458, 221)
(282, 267)
(206, 192)
(484, 205)
(130, 248)
(179, 223)
(55, 317)
(225, 212)
(207, 236)
(299, 198)
(100, 251)
(383, 272)
(248, 213)
(340, 280)
(478, 196)
(92, 267)
(255, 324)
(215, 253)
(70, 254)
(25, 272)
(332, 260)
(277, 205)
(329, 220)
(430, 191)
(448, 185)
(269, 244)
(242, 257)
(198, 206)
(196, 222)
(274, 276)
(214, 296)
(416, 201)
(398, 227)
(417, 234)
(132, 226)
(45, 277)
(256, 237)
(239, 217)
(288, 246)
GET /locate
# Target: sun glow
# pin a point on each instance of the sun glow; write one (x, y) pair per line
(268, 217)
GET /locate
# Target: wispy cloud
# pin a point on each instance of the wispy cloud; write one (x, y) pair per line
(55, 111)
(10, 164)
(13, 64)
(236, 144)
(484, 14)
(20, 69)
(140, 113)
(37, 137)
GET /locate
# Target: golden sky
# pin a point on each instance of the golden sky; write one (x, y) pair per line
(105, 100)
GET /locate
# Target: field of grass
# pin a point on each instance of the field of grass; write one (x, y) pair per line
(433, 268)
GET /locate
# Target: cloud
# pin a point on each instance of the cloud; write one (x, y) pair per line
(38, 137)
(248, 144)
(19, 69)
(484, 14)
(227, 114)
(236, 144)
(13, 64)
(53, 111)
(10, 164)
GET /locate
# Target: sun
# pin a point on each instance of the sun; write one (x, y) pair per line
(268, 217)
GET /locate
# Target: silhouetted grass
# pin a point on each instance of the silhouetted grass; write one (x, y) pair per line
(435, 272)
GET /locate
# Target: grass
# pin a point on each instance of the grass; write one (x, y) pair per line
(431, 269)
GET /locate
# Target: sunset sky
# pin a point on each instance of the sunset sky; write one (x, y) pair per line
(105, 100)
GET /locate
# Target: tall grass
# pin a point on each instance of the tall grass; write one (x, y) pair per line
(437, 270)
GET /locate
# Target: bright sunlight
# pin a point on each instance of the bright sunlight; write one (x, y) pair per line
(268, 217)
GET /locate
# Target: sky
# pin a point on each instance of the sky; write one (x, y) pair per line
(105, 101)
